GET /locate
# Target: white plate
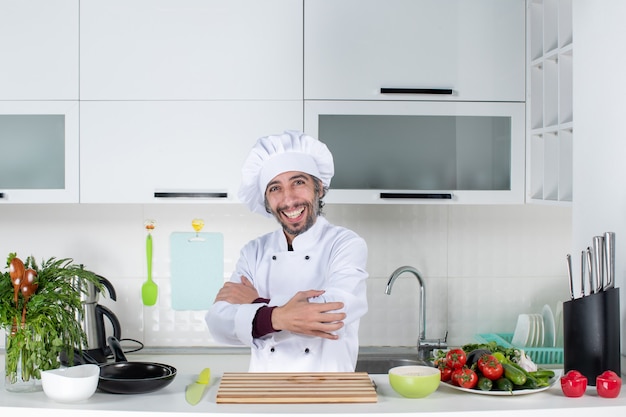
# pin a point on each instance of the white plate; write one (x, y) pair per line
(549, 327)
(534, 327)
(540, 330)
(514, 393)
(522, 331)
(559, 324)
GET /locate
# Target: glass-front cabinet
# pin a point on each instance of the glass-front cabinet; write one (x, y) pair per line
(39, 148)
(422, 152)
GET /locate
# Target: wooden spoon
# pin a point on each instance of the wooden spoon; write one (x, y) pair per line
(16, 272)
(28, 288)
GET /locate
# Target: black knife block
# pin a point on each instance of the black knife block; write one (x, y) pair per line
(591, 334)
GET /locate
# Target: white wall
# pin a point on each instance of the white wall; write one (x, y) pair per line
(600, 138)
(483, 265)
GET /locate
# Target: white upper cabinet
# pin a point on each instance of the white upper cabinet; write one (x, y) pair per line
(550, 120)
(39, 50)
(173, 151)
(419, 152)
(39, 148)
(464, 50)
(191, 50)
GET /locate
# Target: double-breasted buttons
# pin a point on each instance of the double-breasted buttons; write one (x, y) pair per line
(306, 257)
(306, 350)
(272, 349)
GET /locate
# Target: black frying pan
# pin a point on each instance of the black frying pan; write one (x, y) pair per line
(123, 377)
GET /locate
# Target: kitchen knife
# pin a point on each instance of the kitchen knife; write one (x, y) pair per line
(583, 272)
(609, 259)
(598, 259)
(592, 286)
(195, 391)
(570, 276)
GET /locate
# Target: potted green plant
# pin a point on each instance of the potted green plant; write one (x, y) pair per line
(40, 309)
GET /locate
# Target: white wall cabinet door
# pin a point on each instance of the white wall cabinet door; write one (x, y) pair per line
(173, 151)
(353, 48)
(416, 152)
(191, 49)
(39, 50)
(39, 148)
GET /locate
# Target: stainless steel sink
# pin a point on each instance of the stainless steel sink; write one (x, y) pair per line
(381, 363)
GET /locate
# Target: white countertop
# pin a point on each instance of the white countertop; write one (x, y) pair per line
(171, 399)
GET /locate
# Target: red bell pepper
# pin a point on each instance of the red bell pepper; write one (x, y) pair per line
(608, 384)
(573, 384)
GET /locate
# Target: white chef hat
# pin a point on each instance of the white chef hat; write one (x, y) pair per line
(273, 155)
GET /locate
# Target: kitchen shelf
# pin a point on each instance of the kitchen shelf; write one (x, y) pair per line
(550, 118)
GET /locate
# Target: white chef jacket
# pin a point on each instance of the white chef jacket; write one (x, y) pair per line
(325, 257)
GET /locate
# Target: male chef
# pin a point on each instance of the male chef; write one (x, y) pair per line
(297, 294)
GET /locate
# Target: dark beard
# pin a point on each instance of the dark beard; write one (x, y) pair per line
(309, 221)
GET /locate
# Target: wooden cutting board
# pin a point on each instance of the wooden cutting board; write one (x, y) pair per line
(296, 388)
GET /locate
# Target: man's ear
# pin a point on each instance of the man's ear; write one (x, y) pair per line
(320, 188)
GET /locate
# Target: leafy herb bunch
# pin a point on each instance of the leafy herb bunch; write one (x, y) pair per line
(42, 324)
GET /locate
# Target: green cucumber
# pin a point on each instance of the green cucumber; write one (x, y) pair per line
(504, 384)
(543, 373)
(535, 379)
(484, 384)
(531, 383)
(514, 374)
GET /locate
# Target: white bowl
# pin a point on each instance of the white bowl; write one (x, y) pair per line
(76, 383)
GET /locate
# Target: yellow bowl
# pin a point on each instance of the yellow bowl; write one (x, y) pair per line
(414, 381)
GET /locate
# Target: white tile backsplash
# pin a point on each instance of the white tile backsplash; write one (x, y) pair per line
(482, 265)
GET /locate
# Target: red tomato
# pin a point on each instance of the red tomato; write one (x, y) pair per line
(456, 373)
(608, 384)
(456, 358)
(465, 377)
(490, 367)
(573, 384)
(446, 373)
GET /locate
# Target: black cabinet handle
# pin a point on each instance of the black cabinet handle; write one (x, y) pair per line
(1, 195)
(433, 196)
(442, 91)
(190, 194)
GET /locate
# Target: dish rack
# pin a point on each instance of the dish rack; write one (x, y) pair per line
(539, 355)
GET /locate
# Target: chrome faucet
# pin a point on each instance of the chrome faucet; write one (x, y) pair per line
(425, 347)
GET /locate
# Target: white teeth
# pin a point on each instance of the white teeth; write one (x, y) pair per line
(293, 214)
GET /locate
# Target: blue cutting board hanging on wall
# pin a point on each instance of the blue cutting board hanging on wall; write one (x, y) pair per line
(197, 269)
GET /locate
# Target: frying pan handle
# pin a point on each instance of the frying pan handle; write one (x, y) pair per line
(116, 348)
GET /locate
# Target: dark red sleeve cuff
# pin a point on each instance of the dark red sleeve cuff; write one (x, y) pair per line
(262, 323)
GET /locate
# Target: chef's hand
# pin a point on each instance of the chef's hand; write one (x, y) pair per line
(238, 293)
(311, 319)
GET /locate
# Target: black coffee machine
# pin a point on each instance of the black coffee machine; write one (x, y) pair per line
(94, 325)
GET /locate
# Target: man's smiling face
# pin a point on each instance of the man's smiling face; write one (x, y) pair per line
(292, 198)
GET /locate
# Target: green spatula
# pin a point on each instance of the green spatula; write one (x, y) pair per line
(195, 391)
(149, 289)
